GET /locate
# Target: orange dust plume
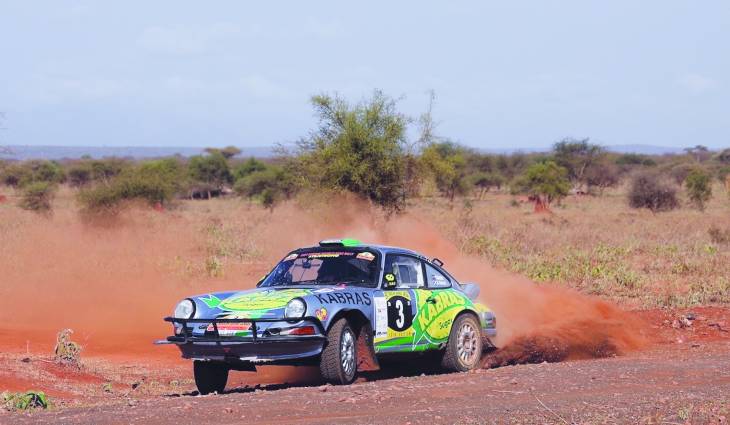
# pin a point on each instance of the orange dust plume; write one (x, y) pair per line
(113, 284)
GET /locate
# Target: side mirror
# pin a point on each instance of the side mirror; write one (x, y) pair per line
(471, 290)
(390, 281)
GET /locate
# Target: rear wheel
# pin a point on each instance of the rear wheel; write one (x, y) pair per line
(464, 349)
(210, 376)
(339, 357)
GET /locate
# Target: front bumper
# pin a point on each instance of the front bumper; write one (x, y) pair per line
(264, 345)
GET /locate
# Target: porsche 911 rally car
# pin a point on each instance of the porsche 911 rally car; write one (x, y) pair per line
(343, 305)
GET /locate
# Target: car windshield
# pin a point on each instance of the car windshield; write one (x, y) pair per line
(348, 267)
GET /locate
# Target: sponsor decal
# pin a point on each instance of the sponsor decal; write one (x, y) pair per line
(354, 298)
(321, 314)
(367, 256)
(381, 318)
(229, 327)
(435, 318)
(323, 290)
(326, 254)
(255, 301)
(400, 313)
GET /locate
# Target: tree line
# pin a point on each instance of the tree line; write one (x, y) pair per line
(364, 148)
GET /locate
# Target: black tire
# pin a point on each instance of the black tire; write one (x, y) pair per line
(338, 364)
(464, 348)
(210, 377)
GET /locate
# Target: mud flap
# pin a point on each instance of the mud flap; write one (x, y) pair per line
(366, 360)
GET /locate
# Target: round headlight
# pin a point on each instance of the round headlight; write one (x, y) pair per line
(295, 309)
(185, 309)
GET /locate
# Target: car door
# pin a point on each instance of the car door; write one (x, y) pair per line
(437, 304)
(402, 275)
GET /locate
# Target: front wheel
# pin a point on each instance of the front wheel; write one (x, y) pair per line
(210, 376)
(464, 349)
(338, 364)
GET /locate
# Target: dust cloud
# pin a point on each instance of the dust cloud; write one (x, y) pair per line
(113, 283)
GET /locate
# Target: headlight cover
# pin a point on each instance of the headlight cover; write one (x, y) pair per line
(295, 309)
(185, 309)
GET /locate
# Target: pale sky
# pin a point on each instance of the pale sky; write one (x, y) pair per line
(508, 74)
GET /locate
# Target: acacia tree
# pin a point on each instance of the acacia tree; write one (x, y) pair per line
(544, 182)
(358, 148)
(211, 170)
(699, 188)
(447, 163)
(577, 156)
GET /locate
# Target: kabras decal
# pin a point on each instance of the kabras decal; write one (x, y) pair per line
(435, 318)
(362, 298)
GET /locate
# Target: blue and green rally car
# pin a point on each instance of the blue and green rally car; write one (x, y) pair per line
(342, 305)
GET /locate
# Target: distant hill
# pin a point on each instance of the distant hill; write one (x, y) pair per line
(135, 152)
(644, 149)
(639, 149)
(141, 152)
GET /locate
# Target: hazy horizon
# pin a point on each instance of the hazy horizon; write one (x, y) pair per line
(507, 76)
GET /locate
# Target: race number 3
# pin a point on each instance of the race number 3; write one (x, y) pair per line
(400, 315)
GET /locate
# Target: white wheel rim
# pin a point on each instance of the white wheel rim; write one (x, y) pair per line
(347, 352)
(467, 344)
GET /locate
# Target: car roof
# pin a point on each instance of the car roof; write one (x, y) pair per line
(384, 249)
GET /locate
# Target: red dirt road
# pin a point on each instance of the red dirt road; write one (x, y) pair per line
(685, 378)
(680, 385)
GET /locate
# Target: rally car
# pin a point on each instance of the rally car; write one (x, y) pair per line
(342, 305)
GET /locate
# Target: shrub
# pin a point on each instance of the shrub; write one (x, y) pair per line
(484, 181)
(602, 175)
(635, 159)
(25, 173)
(66, 351)
(699, 188)
(269, 185)
(718, 235)
(544, 182)
(156, 182)
(251, 165)
(680, 172)
(38, 196)
(358, 148)
(25, 401)
(80, 175)
(648, 191)
(211, 169)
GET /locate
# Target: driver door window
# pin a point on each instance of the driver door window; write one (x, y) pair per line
(407, 271)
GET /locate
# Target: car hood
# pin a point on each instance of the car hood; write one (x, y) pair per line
(252, 304)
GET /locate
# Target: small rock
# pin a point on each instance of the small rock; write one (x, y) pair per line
(228, 410)
(695, 345)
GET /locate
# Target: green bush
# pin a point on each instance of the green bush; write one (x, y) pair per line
(24, 173)
(156, 182)
(544, 182)
(358, 148)
(25, 401)
(269, 185)
(37, 196)
(699, 188)
(649, 191)
(251, 165)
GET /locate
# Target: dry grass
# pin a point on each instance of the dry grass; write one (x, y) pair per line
(600, 246)
(595, 244)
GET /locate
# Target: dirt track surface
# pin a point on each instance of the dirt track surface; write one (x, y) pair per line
(678, 385)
